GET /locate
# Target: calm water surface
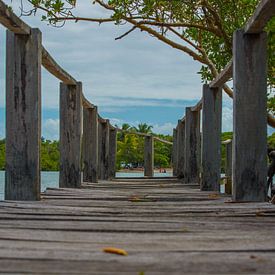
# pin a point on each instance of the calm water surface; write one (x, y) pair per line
(50, 179)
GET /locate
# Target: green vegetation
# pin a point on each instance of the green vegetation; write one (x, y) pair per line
(129, 149)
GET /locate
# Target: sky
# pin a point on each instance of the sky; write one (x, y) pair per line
(137, 79)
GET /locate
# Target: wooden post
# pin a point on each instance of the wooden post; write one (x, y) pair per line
(228, 168)
(175, 153)
(90, 144)
(112, 153)
(23, 116)
(192, 146)
(249, 117)
(103, 150)
(211, 138)
(148, 156)
(180, 148)
(70, 135)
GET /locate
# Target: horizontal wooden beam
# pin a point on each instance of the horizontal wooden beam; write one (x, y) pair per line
(12, 22)
(86, 103)
(262, 14)
(133, 132)
(102, 120)
(197, 107)
(50, 65)
(163, 140)
(223, 76)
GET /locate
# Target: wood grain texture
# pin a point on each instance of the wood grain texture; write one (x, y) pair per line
(23, 116)
(70, 135)
(181, 148)
(166, 228)
(175, 152)
(192, 146)
(249, 116)
(148, 156)
(211, 141)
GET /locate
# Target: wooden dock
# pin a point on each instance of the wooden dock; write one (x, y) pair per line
(166, 227)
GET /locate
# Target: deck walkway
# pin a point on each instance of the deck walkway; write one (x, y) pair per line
(165, 226)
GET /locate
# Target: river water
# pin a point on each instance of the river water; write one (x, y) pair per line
(50, 179)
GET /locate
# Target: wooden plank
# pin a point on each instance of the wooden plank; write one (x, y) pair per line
(263, 13)
(181, 148)
(163, 140)
(103, 150)
(86, 103)
(148, 156)
(197, 107)
(23, 116)
(51, 65)
(90, 145)
(211, 138)
(192, 146)
(70, 135)
(223, 76)
(13, 23)
(191, 230)
(249, 116)
(175, 152)
(112, 153)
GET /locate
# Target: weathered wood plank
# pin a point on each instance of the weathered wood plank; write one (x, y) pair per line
(13, 23)
(223, 76)
(175, 152)
(249, 116)
(148, 156)
(263, 13)
(112, 153)
(211, 138)
(103, 150)
(51, 65)
(23, 116)
(90, 145)
(192, 146)
(70, 135)
(181, 148)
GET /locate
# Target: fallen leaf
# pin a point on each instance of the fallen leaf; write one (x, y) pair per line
(213, 196)
(115, 250)
(260, 213)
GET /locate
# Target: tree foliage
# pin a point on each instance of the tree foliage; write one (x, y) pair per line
(203, 29)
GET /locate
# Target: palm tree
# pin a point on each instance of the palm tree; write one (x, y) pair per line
(144, 128)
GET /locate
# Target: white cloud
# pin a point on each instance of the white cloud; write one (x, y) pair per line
(50, 129)
(165, 129)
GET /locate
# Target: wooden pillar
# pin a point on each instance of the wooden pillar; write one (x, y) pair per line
(103, 150)
(90, 144)
(211, 138)
(249, 117)
(23, 116)
(175, 153)
(112, 153)
(70, 135)
(192, 146)
(180, 148)
(148, 156)
(228, 168)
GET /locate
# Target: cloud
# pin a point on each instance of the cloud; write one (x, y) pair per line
(50, 129)
(165, 129)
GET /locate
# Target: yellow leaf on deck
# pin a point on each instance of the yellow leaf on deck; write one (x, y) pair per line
(115, 250)
(213, 196)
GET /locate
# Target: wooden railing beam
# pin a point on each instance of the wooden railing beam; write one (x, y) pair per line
(263, 13)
